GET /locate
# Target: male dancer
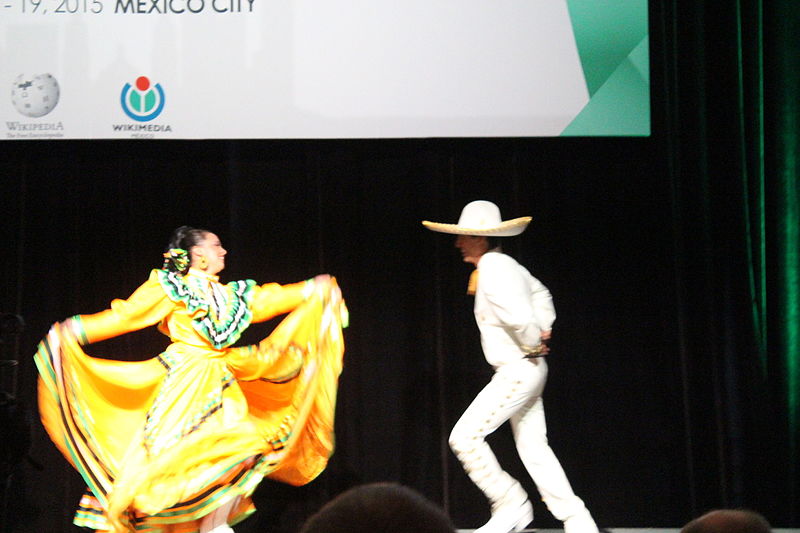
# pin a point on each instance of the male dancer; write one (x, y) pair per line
(514, 312)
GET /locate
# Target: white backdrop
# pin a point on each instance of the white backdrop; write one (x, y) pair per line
(288, 69)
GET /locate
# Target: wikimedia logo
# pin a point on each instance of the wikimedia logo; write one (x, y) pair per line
(142, 101)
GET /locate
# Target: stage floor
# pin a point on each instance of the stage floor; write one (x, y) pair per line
(627, 530)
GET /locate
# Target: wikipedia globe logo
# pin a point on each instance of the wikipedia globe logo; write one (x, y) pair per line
(35, 96)
(142, 101)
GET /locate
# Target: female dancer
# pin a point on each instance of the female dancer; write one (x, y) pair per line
(178, 443)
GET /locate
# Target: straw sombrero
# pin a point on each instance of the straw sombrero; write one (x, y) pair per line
(481, 218)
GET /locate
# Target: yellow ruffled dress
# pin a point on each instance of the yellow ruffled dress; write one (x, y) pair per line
(161, 443)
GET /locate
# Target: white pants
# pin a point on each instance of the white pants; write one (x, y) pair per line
(515, 393)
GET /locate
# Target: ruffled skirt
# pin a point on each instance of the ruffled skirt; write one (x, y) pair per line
(163, 443)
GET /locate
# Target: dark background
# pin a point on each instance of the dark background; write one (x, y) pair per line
(667, 395)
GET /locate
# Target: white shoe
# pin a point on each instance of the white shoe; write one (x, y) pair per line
(508, 518)
(580, 523)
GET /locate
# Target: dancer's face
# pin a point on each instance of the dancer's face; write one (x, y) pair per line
(211, 249)
(472, 247)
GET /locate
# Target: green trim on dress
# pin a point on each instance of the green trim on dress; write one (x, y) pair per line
(234, 317)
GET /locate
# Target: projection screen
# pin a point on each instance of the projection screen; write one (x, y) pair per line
(245, 69)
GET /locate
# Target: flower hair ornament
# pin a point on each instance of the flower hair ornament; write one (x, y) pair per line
(178, 257)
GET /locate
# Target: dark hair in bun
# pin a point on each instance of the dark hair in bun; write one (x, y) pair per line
(176, 253)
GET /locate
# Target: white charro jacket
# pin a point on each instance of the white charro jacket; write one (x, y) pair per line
(512, 308)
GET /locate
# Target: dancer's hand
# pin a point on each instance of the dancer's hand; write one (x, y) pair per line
(322, 279)
(544, 342)
(67, 327)
(543, 347)
(326, 284)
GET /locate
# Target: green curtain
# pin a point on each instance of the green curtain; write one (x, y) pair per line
(782, 141)
(732, 122)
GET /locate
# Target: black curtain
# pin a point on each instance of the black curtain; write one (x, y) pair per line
(673, 375)
(732, 143)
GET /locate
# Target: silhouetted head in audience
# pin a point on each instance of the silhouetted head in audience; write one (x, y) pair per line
(728, 521)
(379, 507)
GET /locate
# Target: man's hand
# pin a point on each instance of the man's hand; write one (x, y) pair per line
(541, 349)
